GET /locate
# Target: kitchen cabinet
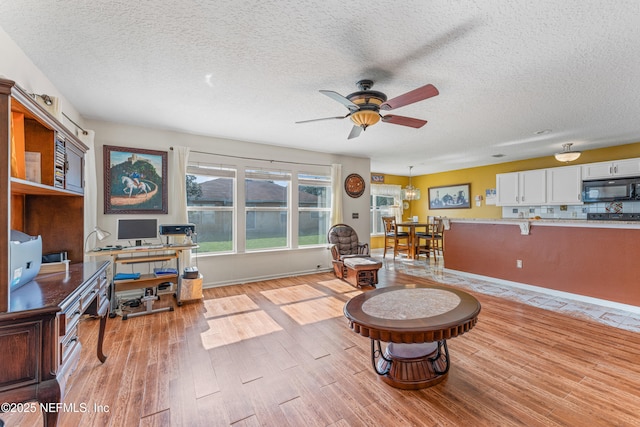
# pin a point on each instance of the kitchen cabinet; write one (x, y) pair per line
(618, 168)
(521, 188)
(564, 185)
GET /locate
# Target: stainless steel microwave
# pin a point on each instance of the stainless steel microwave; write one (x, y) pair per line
(611, 190)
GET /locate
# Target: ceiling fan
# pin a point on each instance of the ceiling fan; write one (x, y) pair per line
(365, 105)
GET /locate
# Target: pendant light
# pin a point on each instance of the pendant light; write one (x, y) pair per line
(410, 192)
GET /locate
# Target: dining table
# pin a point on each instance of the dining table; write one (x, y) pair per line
(410, 227)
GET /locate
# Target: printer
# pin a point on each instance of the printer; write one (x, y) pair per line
(25, 258)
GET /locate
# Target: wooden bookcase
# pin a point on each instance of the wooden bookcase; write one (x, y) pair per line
(52, 208)
(38, 321)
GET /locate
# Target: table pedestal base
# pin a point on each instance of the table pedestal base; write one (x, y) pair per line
(411, 366)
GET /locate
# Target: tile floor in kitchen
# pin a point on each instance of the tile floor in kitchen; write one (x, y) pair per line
(612, 316)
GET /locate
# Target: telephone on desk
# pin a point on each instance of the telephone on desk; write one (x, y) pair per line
(191, 273)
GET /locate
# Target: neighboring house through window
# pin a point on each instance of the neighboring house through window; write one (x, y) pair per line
(211, 207)
(217, 199)
(267, 209)
(314, 208)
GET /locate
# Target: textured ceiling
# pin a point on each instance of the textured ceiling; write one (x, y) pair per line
(249, 70)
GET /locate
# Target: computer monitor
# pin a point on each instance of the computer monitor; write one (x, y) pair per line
(137, 229)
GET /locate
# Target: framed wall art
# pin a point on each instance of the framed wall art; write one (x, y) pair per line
(450, 197)
(377, 178)
(135, 181)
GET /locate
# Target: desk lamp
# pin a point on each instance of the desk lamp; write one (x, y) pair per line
(100, 234)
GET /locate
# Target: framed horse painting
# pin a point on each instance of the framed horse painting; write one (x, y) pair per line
(135, 181)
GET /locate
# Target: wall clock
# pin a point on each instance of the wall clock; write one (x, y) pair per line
(354, 185)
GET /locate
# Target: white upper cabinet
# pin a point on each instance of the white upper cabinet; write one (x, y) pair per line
(507, 189)
(557, 186)
(564, 185)
(533, 187)
(618, 168)
(521, 188)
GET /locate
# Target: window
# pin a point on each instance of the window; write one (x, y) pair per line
(232, 216)
(380, 206)
(314, 209)
(210, 206)
(267, 209)
(385, 201)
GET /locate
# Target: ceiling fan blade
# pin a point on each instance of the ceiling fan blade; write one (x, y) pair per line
(325, 118)
(404, 121)
(341, 99)
(422, 93)
(355, 132)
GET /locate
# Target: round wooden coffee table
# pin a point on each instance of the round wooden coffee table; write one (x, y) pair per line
(416, 321)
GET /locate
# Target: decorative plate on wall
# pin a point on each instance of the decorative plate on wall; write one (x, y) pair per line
(354, 185)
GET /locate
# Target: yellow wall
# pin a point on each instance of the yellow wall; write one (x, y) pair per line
(484, 177)
(394, 180)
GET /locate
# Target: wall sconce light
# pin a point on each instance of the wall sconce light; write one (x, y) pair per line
(45, 98)
(566, 155)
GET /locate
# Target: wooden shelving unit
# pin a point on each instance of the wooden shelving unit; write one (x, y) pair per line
(39, 320)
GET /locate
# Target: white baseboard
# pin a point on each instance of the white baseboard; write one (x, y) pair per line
(267, 277)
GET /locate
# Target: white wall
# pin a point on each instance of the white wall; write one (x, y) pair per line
(217, 269)
(244, 267)
(16, 66)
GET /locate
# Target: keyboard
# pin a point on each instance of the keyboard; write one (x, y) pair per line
(145, 247)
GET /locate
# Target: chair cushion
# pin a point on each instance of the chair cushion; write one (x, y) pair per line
(352, 262)
(400, 234)
(343, 257)
(345, 239)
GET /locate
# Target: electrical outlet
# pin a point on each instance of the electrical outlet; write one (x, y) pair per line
(519, 263)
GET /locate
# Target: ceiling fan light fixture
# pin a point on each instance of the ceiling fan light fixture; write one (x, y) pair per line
(566, 155)
(365, 118)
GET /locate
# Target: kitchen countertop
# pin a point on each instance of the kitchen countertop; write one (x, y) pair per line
(551, 222)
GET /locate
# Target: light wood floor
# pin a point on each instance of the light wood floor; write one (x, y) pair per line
(280, 353)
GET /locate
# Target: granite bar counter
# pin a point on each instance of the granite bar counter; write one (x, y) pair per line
(590, 258)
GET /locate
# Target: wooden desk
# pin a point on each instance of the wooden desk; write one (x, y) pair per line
(39, 334)
(413, 241)
(143, 255)
(416, 321)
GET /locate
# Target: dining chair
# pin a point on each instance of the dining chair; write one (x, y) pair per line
(394, 239)
(433, 239)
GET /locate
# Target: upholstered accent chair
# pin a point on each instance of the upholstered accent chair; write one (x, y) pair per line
(344, 244)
